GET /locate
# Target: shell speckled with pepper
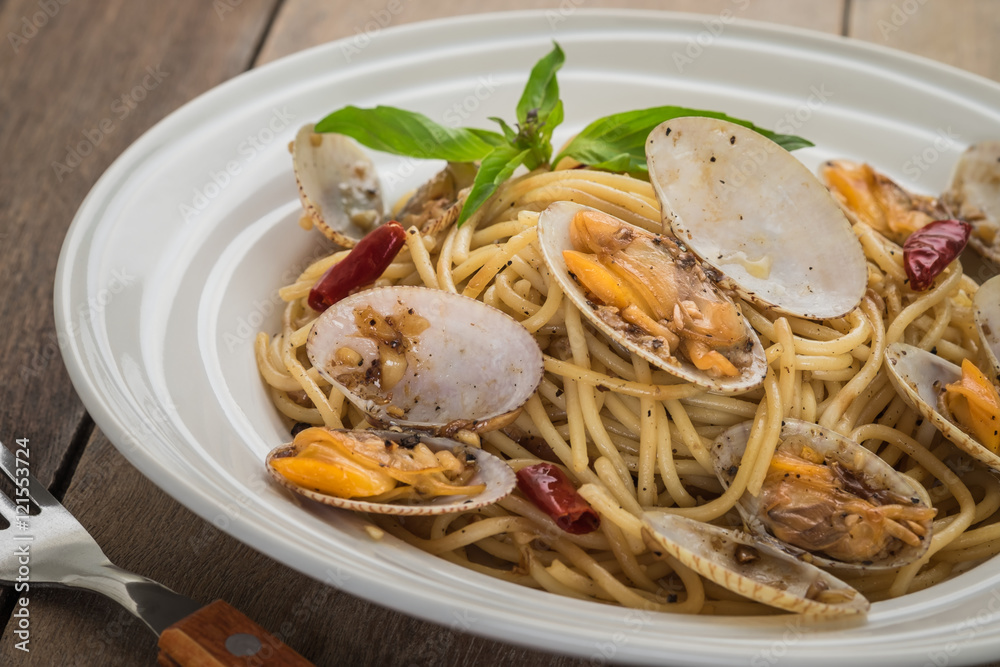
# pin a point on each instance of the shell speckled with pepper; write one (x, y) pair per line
(425, 359)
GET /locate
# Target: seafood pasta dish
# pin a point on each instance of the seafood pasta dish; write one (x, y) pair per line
(665, 367)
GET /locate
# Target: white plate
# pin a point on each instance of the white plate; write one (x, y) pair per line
(171, 265)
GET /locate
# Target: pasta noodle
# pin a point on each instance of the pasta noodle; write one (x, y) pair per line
(634, 438)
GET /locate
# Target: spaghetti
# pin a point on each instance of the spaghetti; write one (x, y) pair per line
(630, 437)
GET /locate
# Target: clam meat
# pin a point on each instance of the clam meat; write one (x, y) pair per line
(388, 472)
(338, 185)
(426, 359)
(436, 204)
(875, 199)
(747, 207)
(647, 293)
(962, 402)
(828, 499)
(735, 561)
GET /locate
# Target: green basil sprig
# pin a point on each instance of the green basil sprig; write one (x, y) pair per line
(613, 143)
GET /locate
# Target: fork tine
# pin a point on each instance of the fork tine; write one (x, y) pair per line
(37, 492)
(8, 510)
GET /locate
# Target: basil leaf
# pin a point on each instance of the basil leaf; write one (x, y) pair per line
(620, 139)
(494, 170)
(508, 132)
(541, 93)
(409, 133)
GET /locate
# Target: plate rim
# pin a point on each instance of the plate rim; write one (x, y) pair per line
(203, 505)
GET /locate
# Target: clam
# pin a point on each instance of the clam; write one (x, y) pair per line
(425, 359)
(733, 560)
(647, 293)
(974, 195)
(387, 472)
(436, 204)
(961, 402)
(751, 210)
(338, 186)
(829, 500)
(875, 199)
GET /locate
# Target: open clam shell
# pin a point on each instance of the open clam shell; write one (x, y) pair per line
(987, 305)
(491, 471)
(920, 378)
(338, 185)
(747, 207)
(736, 562)
(554, 238)
(426, 359)
(818, 520)
(974, 196)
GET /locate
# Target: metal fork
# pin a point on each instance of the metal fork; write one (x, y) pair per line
(51, 548)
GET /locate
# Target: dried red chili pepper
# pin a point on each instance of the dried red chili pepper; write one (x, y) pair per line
(363, 265)
(929, 250)
(547, 486)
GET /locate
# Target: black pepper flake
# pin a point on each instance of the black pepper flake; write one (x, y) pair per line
(712, 159)
(668, 131)
(732, 139)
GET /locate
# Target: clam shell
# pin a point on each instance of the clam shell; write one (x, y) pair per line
(727, 452)
(472, 367)
(553, 236)
(987, 305)
(920, 378)
(494, 473)
(774, 578)
(338, 185)
(974, 195)
(750, 209)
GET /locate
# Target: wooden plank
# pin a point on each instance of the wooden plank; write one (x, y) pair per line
(76, 88)
(304, 23)
(963, 33)
(79, 84)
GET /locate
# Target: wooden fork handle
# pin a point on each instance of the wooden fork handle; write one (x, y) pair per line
(221, 636)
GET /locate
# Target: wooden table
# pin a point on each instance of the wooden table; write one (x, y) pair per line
(58, 78)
